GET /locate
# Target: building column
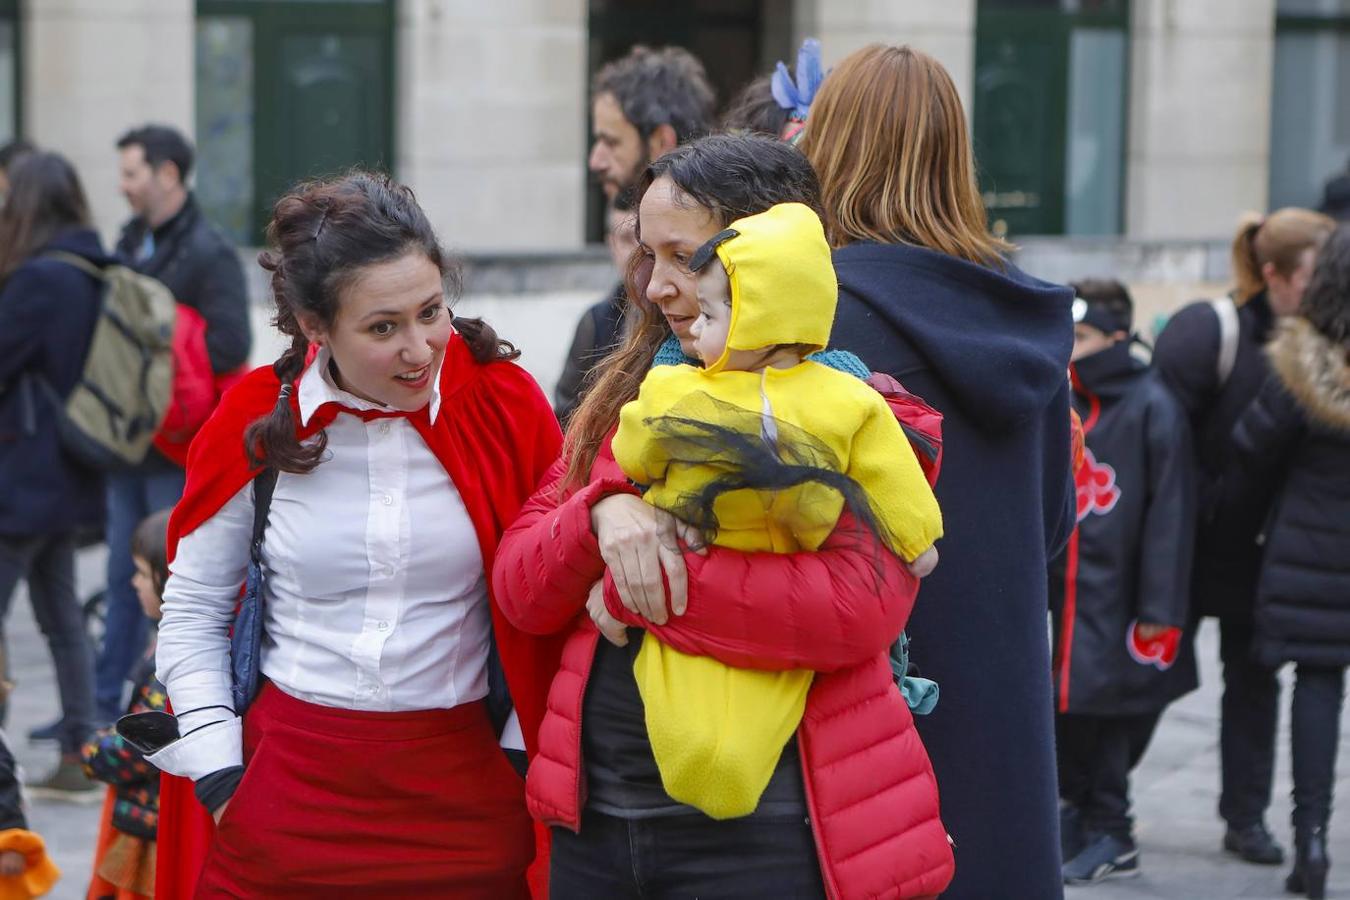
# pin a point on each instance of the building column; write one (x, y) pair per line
(492, 119)
(93, 70)
(1199, 142)
(943, 28)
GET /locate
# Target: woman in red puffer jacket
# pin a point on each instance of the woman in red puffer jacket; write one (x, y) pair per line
(852, 808)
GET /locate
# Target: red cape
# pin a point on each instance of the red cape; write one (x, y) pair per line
(495, 434)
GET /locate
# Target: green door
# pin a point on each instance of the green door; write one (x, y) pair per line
(1021, 90)
(1049, 111)
(319, 100)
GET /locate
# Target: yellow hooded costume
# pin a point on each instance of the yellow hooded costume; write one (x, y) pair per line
(765, 459)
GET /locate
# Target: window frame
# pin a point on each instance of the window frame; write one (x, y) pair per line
(272, 21)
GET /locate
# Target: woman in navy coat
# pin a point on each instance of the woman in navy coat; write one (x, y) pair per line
(48, 309)
(927, 296)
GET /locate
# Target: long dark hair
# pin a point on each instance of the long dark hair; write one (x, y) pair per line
(729, 175)
(322, 235)
(1326, 302)
(45, 199)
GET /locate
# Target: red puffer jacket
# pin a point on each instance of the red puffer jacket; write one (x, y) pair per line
(870, 787)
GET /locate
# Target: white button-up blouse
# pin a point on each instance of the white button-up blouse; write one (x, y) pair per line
(375, 593)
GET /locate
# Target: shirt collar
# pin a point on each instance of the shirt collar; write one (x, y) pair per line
(317, 388)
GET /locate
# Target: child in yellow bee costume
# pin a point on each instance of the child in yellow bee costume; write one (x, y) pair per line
(762, 449)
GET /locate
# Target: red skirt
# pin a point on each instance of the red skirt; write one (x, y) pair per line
(345, 803)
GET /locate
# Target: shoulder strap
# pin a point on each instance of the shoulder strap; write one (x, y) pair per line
(79, 262)
(263, 485)
(1226, 310)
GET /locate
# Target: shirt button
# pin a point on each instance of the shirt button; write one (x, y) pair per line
(382, 626)
(384, 427)
(387, 500)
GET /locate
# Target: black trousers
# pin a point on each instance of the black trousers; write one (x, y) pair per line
(1315, 726)
(1249, 715)
(1096, 755)
(684, 856)
(47, 562)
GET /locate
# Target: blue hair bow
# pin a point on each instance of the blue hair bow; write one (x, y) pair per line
(796, 96)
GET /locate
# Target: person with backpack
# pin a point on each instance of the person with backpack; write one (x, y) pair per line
(49, 307)
(169, 239)
(1209, 354)
(1119, 595)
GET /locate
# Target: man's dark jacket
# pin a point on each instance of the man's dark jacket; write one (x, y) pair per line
(989, 347)
(48, 310)
(1130, 559)
(1227, 555)
(598, 334)
(200, 266)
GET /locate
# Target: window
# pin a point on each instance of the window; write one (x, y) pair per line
(288, 90)
(10, 66)
(1049, 114)
(1310, 100)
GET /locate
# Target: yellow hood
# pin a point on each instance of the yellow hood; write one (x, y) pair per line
(783, 287)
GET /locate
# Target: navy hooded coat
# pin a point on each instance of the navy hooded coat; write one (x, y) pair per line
(48, 309)
(990, 349)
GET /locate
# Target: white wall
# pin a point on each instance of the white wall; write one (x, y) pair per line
(492, 119)
(1199, 124)
(94, 69)
(942, 28)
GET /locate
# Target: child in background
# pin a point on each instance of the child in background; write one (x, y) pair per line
(762, 450)
(1119, 595)
(124, 862)
(25, 870)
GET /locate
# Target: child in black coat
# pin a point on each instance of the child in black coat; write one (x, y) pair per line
(1120, 593)
(125, 856)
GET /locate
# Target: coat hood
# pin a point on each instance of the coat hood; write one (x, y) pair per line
(1109, 373)
(999, 339)
(783, 287)
(81, 242)
(1315, 370)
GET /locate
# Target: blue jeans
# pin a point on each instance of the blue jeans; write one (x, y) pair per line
(131, 497)
(47, 562)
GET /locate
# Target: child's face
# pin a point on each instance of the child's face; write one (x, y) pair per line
(1088, 340)
(144, 583)
(714, 313)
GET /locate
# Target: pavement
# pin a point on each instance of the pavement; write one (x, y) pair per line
(1176, 787)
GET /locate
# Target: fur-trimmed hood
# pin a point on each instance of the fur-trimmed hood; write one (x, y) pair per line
(1315, 371)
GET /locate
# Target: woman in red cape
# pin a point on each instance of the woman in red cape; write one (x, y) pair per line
(368, 759)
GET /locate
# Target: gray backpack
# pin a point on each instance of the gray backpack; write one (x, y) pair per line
(111, 416)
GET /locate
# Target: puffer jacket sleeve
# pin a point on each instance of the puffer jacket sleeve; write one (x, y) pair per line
(824, 610)
(1262, 442)
(549, 558)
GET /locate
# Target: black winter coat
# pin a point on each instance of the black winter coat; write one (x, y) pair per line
(48, 310)
(1295, 438)
(598, 334)
(202, 269)
(1130, 558)
(1227, 555)
(989, 349)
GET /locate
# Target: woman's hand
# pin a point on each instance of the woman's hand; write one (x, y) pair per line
(610, 628)
(638, 542)
(219, 812)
